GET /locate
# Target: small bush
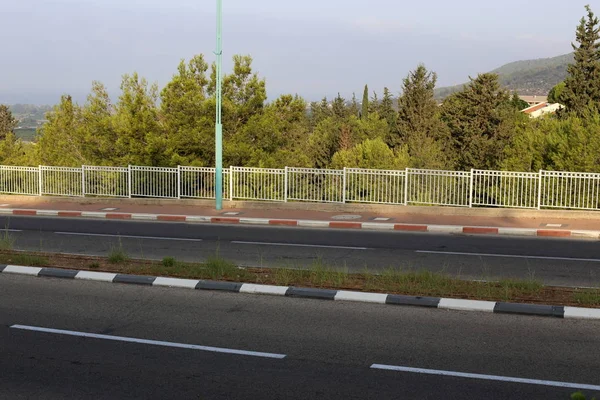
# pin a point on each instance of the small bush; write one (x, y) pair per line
(94, 265)
(169, 262)
(117, 255)
(30, 260)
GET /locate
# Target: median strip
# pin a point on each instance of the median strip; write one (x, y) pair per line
(391, 287)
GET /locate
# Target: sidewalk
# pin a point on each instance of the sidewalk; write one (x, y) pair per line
(431, 219)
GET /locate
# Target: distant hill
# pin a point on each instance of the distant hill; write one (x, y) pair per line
(529, 77)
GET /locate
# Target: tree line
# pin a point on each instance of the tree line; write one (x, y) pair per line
(481, 126)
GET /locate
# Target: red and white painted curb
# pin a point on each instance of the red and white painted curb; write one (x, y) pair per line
(379, 226)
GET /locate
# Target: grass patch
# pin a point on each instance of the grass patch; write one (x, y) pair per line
(587, 297)
(7, 241)
(219, 268)
(117, 255)
(169, 262)
(30, 260)
(94, 265)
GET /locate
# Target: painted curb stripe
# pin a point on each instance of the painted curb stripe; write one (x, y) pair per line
(144, 217)
(48, 213)
(550, 233)
(530, 309)
(24, 212)
(445, 229)
(411, 228)
(254, 221)
(176, 282)
(69, 213)
(222, 286)
(58, 273)
(2, 268)
(118, 216)
(96, 276)
(310, 293)
(284, 222)
(313, 224)
(480, 230)
(224, 220)
(197, 218)
(378, 226)
(172, 218)
(263, 289)
(467, 305)
(582, 313)
(401, 300)
(345, 225)
(134, 279)
(6, 210)
(517, 232)
(378, 298)
(93, 214)
(16, 269)
(586, 234)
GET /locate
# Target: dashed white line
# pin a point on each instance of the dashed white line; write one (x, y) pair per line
(299, 245)
(457, 253)
(128, 236)
(570, 385)
(149, 342)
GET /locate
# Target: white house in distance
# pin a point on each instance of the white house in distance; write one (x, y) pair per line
(543, 108)
(534, 100)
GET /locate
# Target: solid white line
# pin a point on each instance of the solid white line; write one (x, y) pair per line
(456, 253)
(11, 230)
(149, 342)
(486, 377)
(127, 236)
(299, 245)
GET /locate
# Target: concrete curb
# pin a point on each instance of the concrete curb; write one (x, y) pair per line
(313, 293)
(373, 226)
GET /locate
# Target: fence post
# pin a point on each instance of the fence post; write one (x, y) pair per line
(471, 189)
(539, 203)
(179, 182)
(129, 179)
(40, 184)
(406, 181)
(344, 182)
(230, 183)
(285, 184)
(83, 181)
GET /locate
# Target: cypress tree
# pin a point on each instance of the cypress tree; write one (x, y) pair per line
(582, 86)
(365, 103)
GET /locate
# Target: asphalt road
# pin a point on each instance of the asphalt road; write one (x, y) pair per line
(328, 347)
(553, 261)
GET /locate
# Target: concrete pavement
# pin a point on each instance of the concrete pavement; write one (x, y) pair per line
(329, 348)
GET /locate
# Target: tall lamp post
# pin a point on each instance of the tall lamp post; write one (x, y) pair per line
(218, 124)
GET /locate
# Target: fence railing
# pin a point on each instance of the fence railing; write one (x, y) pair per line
(475, 188)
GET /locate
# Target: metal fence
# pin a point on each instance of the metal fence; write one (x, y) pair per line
(475, 188)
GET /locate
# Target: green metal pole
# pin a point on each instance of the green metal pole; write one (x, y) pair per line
(218, 124)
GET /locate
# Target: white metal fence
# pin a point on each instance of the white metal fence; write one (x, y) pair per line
(543, 189)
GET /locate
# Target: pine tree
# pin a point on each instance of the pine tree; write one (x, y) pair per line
(354, 109)
(7, 122)
(582, 86)
(365, 103)
(339, 107)
(386, 109)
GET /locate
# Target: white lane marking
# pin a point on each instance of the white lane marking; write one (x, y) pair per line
(486, 377)
(17, 269)
(466, 305)
(95, 276)
(299, 245)
(11, 230)
(149, 342)
(457, 253)
(127, 236)
(175, 282)
(263, 289)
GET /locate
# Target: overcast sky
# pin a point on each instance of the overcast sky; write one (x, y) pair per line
(314, 48)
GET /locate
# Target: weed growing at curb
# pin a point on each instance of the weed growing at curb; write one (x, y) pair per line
(169, 262)
(579, 396)
(7, 241)
(117, 255)
(587, 297)
(94, 265)
(30, 260)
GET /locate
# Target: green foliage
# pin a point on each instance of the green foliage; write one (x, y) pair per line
(582, 86)
(7, 122)
(365, 103)
(169, 262)
(555, 94)
(481, 120)
(579, 396)
(372, 153)
(117, 255)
